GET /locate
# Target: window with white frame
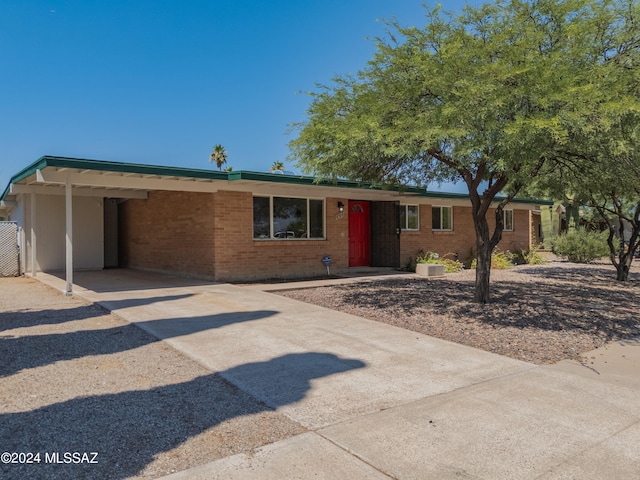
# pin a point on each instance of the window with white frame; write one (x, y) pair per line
(287, 218)
(508, 220)
(409, 217)
(441, 218)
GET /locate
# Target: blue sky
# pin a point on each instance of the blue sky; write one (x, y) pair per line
(163, 81)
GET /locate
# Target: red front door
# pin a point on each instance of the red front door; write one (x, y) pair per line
(359, 234)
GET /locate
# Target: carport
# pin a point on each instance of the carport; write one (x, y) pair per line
(33, 197)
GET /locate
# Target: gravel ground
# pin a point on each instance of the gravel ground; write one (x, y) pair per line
(540, 314)
(74, 378)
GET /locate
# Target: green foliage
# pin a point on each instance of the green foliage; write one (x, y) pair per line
(410, 266)
(527, 257)
(581, 245)
(277, 167)
(451, 265)
(218, 156)
(502, 260)
(470, 261)
(478, 93)
(505, 93)
(532, 257)
(499, 260)
(598, 163)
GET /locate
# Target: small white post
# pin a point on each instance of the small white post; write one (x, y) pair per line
(69, 237)
(34, 268)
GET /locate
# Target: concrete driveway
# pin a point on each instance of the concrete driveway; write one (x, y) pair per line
(380, 401)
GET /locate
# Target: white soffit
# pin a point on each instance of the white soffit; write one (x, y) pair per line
(117, 181)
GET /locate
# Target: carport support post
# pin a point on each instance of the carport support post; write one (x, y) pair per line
(69, 237)
(33, 235)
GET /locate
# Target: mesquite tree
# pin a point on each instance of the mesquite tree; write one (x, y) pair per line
(482, 97)
(598, 161)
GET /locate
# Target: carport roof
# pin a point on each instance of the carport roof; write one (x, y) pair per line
(120, 178)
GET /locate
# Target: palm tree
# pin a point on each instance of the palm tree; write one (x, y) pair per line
(219, 156)
(277, 167)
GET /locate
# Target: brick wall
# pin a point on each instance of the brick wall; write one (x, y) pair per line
(169, 231)
(519, 238)
(536, 229)
(239, 257)
(462, 239)
(211, 235)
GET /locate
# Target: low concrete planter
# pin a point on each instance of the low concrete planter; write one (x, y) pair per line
(429, 269)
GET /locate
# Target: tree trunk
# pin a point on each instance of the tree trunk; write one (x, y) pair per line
(485, 242)
(623, 265)
(621, 256)
(483, 272)
(622, 274)
(484, 248)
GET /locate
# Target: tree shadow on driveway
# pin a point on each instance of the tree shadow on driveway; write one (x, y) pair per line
(55, 347)
(129, 429)
(30, 317)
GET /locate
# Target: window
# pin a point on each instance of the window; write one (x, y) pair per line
(409, 217)
(441, 218)
(287, 218)
(508, 220)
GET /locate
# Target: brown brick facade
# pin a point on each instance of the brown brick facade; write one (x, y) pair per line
(461, 241)
(211, 235)
(240, 257)
(169, 231)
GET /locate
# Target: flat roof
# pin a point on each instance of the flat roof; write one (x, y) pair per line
(212, 175)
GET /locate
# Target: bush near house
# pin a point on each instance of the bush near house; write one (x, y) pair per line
(502, 260)
(499, 260)
(581, 245)
(527, 257)
(451, 265)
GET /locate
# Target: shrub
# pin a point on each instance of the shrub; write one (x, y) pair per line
(532, 257)
(499, 260)
(410, 266)
(469, 262)
(451, 265)
(527, 257)
(502, 260)
(581, 246)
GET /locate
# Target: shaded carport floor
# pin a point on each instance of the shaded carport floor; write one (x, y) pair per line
(400, 404)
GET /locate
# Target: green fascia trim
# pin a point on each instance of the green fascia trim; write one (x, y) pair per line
(106, 166)
(312, 181)
(533, 201)
(464, 196)
(122, 167)
(21, 175)
(102, 165)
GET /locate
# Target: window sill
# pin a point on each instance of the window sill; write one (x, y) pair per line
(281, 240)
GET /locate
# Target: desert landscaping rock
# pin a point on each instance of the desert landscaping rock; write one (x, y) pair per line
(540, 314)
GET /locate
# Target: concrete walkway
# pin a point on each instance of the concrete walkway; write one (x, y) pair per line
(383, 402)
